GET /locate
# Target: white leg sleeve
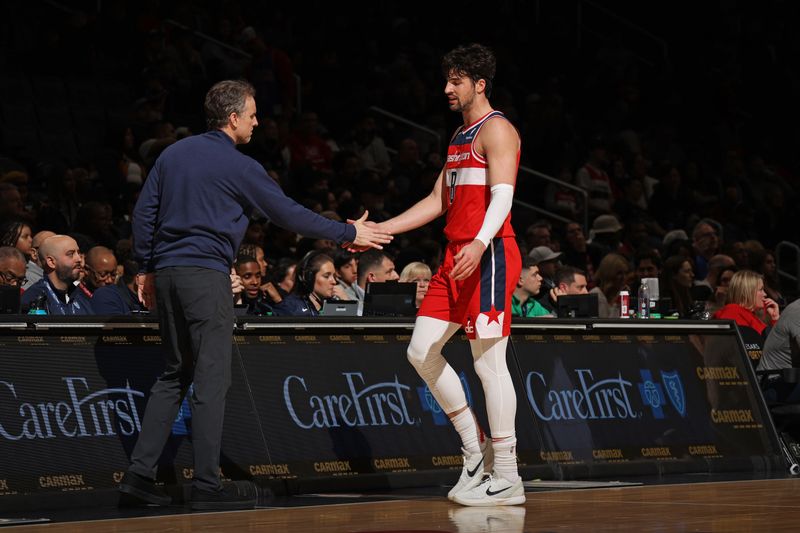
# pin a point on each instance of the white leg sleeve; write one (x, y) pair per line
(425, 354)
(501, 400)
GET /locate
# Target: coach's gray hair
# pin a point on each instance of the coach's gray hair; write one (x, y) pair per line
(224, 98)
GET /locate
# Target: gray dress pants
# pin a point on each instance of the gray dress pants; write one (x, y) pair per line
(195, 308)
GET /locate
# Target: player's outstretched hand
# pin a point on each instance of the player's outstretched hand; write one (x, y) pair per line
(368, 235)
(467, 260)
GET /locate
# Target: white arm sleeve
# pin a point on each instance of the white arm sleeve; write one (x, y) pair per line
(496, 213)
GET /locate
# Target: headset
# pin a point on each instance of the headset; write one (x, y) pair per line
(305, 275)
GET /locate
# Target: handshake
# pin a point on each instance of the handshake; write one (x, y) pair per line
(368, 235)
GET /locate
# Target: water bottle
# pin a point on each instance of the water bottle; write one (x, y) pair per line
(644, 301)
(39, 306)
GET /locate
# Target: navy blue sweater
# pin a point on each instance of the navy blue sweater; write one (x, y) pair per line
(195, 205)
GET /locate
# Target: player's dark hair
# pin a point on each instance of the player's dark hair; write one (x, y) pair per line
(473, 60)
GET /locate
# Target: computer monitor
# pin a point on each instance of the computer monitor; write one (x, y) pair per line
(390, 298)
(578, 306)
(9, 300)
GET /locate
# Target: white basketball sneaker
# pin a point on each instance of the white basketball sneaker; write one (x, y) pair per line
(492, 491)
(471, 474)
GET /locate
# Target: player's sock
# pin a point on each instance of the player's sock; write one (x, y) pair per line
(505, 458)
(468, 430)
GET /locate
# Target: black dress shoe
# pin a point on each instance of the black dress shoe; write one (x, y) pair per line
(139, 490)
(232, 496)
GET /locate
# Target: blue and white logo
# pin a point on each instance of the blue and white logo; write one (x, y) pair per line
(672, 382)
(652, 394)
(430, 404)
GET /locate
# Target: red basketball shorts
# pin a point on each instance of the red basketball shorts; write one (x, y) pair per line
(482, 302)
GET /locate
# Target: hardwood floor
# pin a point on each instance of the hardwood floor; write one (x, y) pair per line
(762, 506)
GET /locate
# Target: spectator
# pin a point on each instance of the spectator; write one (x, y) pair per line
(253, 296)
(59, 212)
(577, 253)
(605, 235)
(676, 242)
(61, 263)
(256, 252)
(763, 262)
(283, 275)
(647, 264)
(745, 299)
(255, 235)
(374, 266)
(611, 278)
(315, 283)
(95, 221)
(347, 273)
(12, 267)
(18, 235)
(563, 200)
(569, 280)
(11, 206)
(119, 298)
(523, 299)
(538, 234)
(704, 289)
(675, 286)
(593, 178)
(33, 271)
(308, 149)
(705, 242)
(716, 303)
(781, 351)
(101, 269)
(419, 273)
(370, 147)
(548, 262)
(739, 253)
(407, 168)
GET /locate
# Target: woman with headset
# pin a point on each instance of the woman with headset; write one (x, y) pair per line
(315, 282)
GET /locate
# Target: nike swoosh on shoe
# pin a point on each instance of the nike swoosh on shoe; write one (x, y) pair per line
(490, 492)
(471, 473)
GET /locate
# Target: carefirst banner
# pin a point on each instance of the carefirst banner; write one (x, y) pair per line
(629, 397)
(71, 409)
(346, 404)
(352, 404)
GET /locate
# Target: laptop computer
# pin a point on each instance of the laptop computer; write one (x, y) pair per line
(339, 308)
(390, 298)
(577, 306)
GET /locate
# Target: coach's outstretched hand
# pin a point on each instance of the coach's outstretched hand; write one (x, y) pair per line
(367, 235)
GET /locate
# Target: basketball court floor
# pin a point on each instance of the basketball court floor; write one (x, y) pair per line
(700, 503)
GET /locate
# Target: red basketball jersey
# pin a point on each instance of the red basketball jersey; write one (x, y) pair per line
(467, 185)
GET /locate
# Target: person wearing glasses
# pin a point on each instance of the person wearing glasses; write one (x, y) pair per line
(12, 267)
(101, 269)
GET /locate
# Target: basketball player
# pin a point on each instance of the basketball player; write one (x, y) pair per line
(473, 287)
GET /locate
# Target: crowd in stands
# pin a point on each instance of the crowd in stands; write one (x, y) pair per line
(693, 185)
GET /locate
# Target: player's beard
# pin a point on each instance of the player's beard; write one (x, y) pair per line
(463, 105)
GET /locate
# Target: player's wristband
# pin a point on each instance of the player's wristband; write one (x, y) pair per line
(496, 213)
